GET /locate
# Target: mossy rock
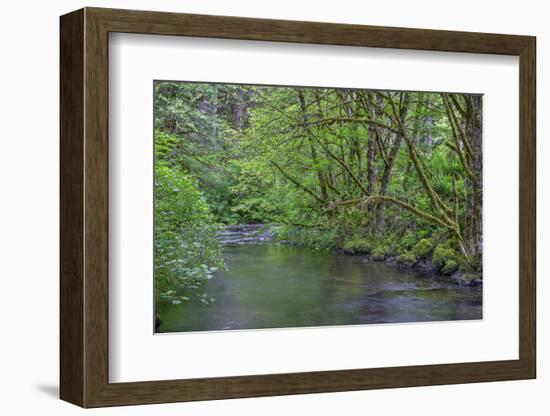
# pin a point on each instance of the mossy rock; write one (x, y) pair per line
(442, 255)
(468, 277)
(407, 240)
(407, 259)
(450, 267)
(451, 243)
(423, 249)
(379, 254)
(356, 246)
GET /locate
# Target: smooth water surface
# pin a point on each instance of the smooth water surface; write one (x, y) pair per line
(279, 286)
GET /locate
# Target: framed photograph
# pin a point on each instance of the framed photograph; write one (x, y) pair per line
(255, 207)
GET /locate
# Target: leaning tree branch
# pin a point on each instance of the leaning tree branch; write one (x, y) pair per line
(341, 163)
(444, 222)
(332, 120)
(295, 182)
(436, 201)
(385, 198)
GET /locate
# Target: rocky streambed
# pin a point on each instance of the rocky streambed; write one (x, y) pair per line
(245, 234)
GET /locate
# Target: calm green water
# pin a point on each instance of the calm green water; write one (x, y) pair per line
(277, 286)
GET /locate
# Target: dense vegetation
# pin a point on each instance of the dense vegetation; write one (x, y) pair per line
(390, 174)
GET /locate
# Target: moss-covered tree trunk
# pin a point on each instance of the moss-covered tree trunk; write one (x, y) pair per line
(474, 133)
(379, 209)
(313, 151)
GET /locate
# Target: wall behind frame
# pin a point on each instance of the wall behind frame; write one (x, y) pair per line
(29, 210)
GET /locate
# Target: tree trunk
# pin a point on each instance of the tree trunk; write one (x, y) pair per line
(214, 115)
(386, 174)
(474, 132)
(320, 175)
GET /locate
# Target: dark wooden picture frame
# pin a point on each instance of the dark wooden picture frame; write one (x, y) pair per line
(84, 207)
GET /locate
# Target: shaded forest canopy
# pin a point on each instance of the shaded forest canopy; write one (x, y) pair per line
(386, 173)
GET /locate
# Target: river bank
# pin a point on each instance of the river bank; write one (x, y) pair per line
(424, 256)
(426, 266)
(273, 284)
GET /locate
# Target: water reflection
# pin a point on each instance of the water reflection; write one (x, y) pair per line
(278, 286)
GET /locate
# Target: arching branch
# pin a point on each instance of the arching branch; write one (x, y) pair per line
(296, 183)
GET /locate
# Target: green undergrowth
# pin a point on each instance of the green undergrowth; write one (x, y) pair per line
(407, 249)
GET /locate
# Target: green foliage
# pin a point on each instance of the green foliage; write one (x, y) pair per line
(407, 259)
(407, 242)
(380, 253)
(442, 255)
(444, 165)
(186, 249)
(314, 238)
(290, 157)
(450, 267)
(357, 245)
(423, 248)
(251, 195)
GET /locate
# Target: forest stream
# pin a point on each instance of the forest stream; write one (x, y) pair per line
(268, 284)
